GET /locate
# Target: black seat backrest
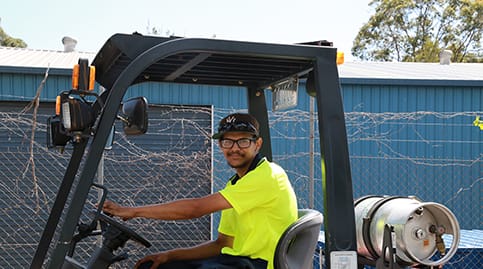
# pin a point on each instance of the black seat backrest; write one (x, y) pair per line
(295, 249)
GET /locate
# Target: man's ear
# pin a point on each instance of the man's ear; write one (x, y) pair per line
(259, 143)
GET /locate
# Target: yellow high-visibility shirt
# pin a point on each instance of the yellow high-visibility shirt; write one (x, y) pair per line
(264, 205)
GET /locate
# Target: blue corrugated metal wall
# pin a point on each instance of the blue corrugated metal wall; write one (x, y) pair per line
(18, 86)
(440, 150)
(417, 140)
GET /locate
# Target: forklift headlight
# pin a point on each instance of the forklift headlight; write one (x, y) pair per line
(76, 114)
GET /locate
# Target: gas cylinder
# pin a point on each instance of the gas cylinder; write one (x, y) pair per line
(418, 229)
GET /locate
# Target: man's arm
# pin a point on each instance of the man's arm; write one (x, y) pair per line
(204, 250)
(176, 210)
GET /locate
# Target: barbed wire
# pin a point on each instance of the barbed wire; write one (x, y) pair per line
(163, 165)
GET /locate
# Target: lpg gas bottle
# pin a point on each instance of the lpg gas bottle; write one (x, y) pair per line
(418, 229)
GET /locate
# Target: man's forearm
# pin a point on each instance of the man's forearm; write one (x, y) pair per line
(176, 210)
(181, 209)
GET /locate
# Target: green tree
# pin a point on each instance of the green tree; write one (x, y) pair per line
(8, 41)
(418, 30)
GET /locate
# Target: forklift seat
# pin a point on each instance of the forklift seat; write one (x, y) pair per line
(295, 248)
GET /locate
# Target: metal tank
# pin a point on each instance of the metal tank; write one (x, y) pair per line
(418, 229)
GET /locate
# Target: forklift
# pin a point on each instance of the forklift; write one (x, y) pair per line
(84, 119)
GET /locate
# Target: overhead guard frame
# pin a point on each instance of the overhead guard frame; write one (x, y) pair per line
(125, 60)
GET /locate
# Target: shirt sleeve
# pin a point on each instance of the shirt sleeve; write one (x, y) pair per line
(225, 226)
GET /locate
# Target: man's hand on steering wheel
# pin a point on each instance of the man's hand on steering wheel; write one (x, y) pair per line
(115, 209)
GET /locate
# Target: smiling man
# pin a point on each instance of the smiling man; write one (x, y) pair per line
(257, 205)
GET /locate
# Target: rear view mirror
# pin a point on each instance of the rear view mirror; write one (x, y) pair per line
(135, 116)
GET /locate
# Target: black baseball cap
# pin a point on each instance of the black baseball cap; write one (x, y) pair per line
(238, 122)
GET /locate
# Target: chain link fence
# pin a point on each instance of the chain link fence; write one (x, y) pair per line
(391, 154)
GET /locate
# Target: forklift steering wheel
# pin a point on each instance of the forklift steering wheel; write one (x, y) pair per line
(124, 229)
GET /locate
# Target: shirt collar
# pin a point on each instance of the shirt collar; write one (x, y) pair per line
(256, 161)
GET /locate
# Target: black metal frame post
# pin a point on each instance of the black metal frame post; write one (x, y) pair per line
(58, 206)
(257, 106)
(339, 220)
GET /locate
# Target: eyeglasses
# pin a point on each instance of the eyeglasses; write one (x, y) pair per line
(240, 126)
(242, 143)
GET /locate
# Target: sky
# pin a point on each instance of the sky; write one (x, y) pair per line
(43, 24)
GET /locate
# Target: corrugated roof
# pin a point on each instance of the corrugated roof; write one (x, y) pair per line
(414, 71)
(17, 57)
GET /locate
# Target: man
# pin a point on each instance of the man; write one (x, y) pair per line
(257, 204)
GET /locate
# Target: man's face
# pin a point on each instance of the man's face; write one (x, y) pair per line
(236, 156)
